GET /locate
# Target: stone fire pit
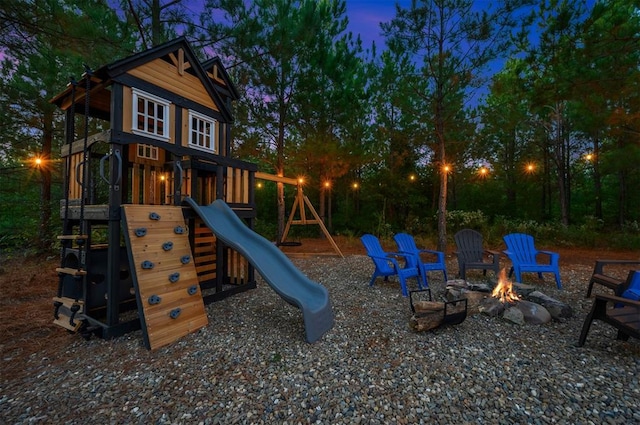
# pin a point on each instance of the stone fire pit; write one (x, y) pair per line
(530, 307)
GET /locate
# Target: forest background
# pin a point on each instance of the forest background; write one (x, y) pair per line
(510, 116)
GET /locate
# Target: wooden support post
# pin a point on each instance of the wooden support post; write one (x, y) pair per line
(300, 202)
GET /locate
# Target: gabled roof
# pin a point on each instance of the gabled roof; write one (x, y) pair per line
(167, 51)
(216, 63)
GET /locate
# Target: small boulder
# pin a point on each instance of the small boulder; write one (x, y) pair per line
(533, 313)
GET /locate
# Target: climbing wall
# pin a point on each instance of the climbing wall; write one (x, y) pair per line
(164, 274)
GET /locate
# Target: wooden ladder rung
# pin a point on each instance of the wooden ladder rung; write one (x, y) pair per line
(71, 271)
(68, 302)
(72, 237)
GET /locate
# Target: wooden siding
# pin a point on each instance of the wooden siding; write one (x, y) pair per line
(237, 268)
(166, 75)
(204, 252)
(146, 182)
(237, 186)
(75, 190)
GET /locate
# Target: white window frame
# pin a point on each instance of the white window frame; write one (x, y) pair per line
(211, 136)
(159, 103)
(152, 150)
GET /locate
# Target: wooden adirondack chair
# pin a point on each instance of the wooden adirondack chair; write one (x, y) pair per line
(472, 255)
(407, 245)
(386, 263)
(607, 278)
(523, 255)
(625, 314)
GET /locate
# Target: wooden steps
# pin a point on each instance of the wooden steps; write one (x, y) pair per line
(71, 271)
(72, 237)
(68, 313)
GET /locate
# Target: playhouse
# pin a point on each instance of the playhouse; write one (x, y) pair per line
(142, 134)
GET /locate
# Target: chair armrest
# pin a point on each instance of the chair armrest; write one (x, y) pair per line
(599, 267)
(430, 251)
(553, 256)
(392, 257)
(404, 255)
(495, 255)
(439, 254)
(618, 300)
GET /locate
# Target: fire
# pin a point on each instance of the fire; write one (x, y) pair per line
(504, 289)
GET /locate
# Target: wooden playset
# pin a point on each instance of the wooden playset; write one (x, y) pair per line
(162, 131)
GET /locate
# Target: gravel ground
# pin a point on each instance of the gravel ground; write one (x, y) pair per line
(252, 365)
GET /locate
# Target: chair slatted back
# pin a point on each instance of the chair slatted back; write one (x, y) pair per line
(470, 245)
(521, 247)
(407, 244)
(374, 250)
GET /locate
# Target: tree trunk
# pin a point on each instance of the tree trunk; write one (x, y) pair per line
(442, 213)
(597, 183)
(510, 166)
(156, 25)
(622, 197)
(559, 159)
(280, 172)
(44, 236)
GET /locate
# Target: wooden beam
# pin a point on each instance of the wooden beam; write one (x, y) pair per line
(322, 226)
(274, 178)
(180, 61)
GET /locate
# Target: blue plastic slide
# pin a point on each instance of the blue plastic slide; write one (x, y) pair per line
(275, 267)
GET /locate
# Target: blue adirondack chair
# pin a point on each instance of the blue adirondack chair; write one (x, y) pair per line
(523, 255)
(632, 291)
(387, 264)
(407, 245)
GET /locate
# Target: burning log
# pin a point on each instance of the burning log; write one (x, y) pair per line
(504, 289)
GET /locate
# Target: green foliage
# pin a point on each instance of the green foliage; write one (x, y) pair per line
(316, 103)
(20, 211)
(458, 220)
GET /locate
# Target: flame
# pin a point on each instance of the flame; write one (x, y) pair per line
(504, 289)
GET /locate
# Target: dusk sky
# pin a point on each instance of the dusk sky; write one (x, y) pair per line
(365, 17)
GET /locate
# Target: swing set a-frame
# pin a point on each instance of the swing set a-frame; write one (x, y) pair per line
(301, 203)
